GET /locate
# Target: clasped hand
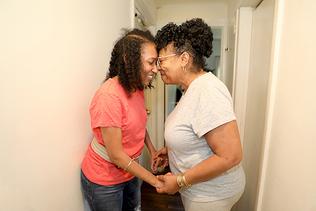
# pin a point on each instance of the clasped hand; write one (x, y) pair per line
(159, 160)
(166, 183)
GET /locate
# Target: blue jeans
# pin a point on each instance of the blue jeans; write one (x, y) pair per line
(124, 196)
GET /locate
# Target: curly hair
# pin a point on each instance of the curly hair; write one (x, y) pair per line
(126, 59)
(193, 36)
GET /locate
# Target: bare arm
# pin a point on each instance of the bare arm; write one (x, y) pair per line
(113, 142)
(152, 150)
(225, 143)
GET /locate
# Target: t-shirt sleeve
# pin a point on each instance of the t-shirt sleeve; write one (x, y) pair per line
(214, 108)
(106, 111)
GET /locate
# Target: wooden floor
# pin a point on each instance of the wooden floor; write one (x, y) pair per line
(152, 201)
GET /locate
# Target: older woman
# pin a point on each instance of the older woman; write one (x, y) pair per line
(202, 139)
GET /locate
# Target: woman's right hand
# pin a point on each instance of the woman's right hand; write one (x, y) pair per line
(160, 160)
(169, 184)
(158, 184)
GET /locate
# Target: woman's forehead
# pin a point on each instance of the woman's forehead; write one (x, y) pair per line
(149, 50)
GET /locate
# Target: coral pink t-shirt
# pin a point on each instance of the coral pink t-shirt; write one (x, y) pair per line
(112, 107)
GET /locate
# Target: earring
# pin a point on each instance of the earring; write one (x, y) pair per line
(183, 68)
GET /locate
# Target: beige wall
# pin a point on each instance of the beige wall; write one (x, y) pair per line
(213, 12)
(288, 179)
(53, 56)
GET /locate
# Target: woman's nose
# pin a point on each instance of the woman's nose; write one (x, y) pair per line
(155, 69)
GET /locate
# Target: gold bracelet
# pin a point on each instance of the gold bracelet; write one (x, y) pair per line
(129, 163)
(187, 185)
(180, 181)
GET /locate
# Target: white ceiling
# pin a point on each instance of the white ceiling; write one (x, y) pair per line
(249, 3)
(168, 2)
(245, 3)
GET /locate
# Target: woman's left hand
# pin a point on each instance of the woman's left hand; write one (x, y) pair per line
(159, 160)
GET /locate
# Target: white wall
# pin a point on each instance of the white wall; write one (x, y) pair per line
(53, 56)
(288, 178)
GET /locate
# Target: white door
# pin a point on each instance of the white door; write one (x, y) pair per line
(256, 101)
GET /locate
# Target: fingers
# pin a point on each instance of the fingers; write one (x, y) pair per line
(160, 184)
(156, 163)
(169, 174)
(159, 190)
(166, 184)
(162, 151)
(164, 189)
(154, 166)
(165, 163)
(161, 178)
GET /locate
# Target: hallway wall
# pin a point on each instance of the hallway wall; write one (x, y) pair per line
(288, 178)
(53, 56)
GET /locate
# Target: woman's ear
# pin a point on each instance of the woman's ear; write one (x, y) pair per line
(185, 58)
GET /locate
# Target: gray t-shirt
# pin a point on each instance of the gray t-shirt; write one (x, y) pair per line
(206, 105)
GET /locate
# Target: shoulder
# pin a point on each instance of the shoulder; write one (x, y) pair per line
(207, 83)
(209, 88)
(211, 83)
(111, 87)
(110, 92)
